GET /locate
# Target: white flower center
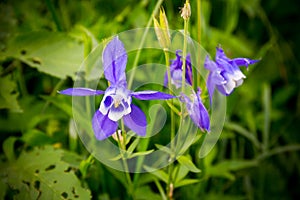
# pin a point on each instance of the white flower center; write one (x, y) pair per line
(116, 103)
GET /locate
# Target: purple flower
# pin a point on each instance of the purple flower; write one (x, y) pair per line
(117, 100)
(176, 71)
(197, 110)
(225, 73)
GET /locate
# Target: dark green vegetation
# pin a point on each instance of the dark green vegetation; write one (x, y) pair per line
(42, 44)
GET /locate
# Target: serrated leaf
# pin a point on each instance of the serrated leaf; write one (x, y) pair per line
(53, 53)
(186, 162)
(41, 174)
(8, 95)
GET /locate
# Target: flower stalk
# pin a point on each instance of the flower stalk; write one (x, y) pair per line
(185, 14)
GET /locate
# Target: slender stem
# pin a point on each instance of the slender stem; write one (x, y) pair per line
(54, 15)
(159, 2)
(171, 101)
(172, 135)
(122, 145)
(184, 52)
(53, 93)
(21, 79)
(160, 189)
(170, 188)
(199, 37)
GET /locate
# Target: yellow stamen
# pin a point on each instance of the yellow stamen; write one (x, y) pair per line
(116, 103)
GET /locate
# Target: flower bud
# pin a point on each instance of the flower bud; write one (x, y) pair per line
(117, 136)
(186, 11)
(162, 30)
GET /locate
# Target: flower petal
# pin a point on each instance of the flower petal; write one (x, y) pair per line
(197, 111)
(209, 64)
(136, 120)
(81, 92)
(116, 113)
(210, 87)
(189, 71)
(204, 121)
(243, 61)
(220, 55)
(151, 95)
(114, 60)
(103, 127)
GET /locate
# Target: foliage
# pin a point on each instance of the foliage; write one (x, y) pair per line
(41, 174)
(43, 44)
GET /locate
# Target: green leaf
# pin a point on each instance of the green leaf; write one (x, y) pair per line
(232, 15)
(65, 104)
(185, 182)
(62, 102)
(119, 176)
(3, 188)
(145, 193)
(186, 162)
(8, 148)
(242, 131)
(142, 153)
(158, 173)
(180, 172)
(223, 169)
(36, 137)
(41, 174)
(133, 145)
(53, 53)
(8, 95)
(165, 149)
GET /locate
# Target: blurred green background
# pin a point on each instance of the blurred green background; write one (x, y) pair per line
(262, 122)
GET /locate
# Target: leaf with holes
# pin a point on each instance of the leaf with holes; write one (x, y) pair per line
(41, 174)
(8, 94)
(53, 53)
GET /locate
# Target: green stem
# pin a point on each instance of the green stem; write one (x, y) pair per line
(160, 189)
(137, 57)
(171, 101)
(267, 113)
(53, 93)
(21, 79)
(184, 52)
(54, 15)
(199, 37)
(172, 135)
(122, 146)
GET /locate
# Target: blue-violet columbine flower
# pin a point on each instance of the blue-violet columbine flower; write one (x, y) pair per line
(197, 110)
(117, 100)
(225, 74)
(176, 71)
